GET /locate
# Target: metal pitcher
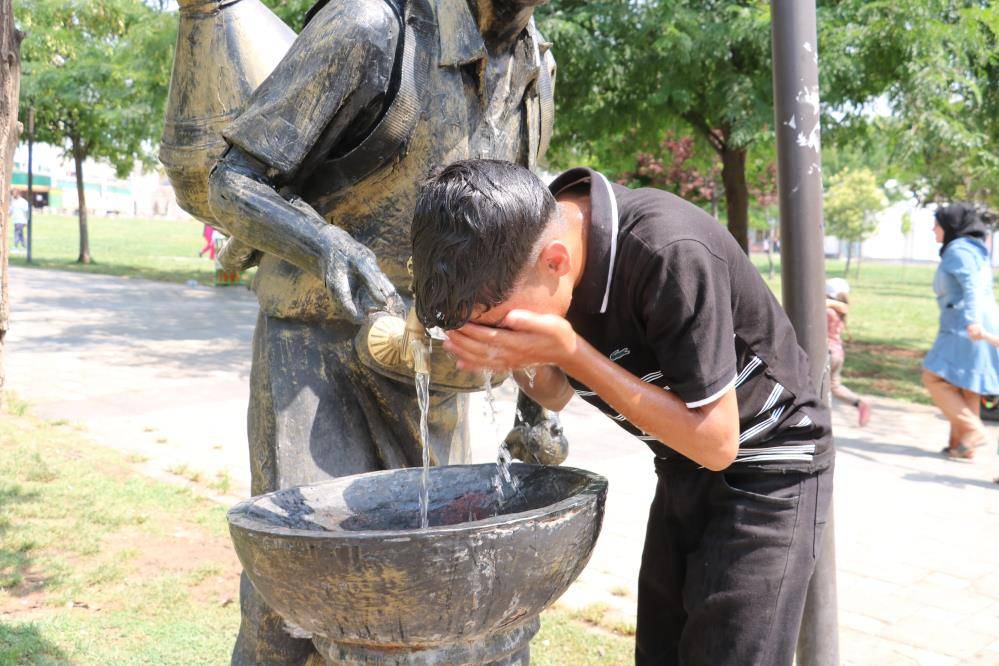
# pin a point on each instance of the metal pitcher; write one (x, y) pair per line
(225, 49)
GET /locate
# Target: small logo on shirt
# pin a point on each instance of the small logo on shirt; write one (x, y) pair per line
(619, 353)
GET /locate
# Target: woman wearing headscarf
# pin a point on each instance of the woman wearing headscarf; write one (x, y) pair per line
(961, 365)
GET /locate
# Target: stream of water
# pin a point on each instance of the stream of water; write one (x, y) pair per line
(503, 457)
(423, 400)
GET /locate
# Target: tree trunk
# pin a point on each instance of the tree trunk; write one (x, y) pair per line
(10, 89)
(736, 195)
(849, 255)
(81, 196)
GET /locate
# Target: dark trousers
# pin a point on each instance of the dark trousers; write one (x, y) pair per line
(727, 561)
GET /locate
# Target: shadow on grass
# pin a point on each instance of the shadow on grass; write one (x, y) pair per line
(885, 370)
(15, 557)
(179, 276)
(917, 292)
(25, 644)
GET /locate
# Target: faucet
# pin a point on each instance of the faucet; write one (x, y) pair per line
(385, 344)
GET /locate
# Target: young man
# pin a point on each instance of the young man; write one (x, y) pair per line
(644, 305)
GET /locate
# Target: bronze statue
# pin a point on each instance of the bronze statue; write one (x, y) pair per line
(316, 186)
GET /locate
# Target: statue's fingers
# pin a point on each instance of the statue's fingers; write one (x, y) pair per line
(339, 283)
(377, 284)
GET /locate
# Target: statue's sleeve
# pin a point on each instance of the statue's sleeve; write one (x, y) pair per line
(336, 71)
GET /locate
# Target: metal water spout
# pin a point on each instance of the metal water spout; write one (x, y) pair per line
(385, 344)
(225, 49)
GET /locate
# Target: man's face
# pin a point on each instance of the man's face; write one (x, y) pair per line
(541, 292)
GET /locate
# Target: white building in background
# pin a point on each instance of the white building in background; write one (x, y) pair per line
(142, 194)
(889, 243)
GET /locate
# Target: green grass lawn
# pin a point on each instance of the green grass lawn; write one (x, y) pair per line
(154, 249)
(101, 565)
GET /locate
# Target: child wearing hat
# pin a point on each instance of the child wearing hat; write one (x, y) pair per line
(837, 307)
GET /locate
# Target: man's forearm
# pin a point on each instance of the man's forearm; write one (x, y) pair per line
(708, 435)
(549, 388)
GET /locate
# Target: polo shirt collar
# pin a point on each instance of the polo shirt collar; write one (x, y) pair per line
(592, 294)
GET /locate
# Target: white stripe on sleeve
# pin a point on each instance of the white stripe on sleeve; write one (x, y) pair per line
(711, 398)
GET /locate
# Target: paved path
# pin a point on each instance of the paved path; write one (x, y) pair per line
(160, 371)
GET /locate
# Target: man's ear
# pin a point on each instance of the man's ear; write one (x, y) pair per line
(555, 260)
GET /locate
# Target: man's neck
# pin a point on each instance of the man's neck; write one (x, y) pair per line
(500, 24)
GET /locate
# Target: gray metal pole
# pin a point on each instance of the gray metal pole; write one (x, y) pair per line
(799, 182)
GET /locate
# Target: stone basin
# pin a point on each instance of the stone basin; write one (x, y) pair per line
(345, 561)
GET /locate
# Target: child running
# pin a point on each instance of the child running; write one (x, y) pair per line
(837, 307)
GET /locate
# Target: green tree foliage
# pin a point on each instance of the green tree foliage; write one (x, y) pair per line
(97, 75)
(629, 70)
(934, 65)
(851, 203)
(291, 12)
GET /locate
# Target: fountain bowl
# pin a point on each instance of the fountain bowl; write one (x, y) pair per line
(346, 563)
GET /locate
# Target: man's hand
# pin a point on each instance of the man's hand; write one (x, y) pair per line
(523, 339)
(351, 273)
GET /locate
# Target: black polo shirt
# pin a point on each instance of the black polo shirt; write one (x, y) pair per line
(669, 296)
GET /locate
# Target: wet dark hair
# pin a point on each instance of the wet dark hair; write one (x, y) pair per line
(957, 220)
(474, 227)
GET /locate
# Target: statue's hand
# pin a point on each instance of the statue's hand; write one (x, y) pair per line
(236, 255)
(351, 273)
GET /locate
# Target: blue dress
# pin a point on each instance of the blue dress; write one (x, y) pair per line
(963, 285)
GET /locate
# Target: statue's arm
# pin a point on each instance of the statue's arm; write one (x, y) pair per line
(338, 68)
(289, 228)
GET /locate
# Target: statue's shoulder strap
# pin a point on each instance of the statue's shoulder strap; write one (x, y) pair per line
(392, 131)
(545, 88)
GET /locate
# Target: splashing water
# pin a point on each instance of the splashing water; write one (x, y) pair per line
(530, 372)
(490, 396)
(503, 457)
(423, 400)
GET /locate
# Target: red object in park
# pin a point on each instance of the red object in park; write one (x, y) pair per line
(224, 278)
